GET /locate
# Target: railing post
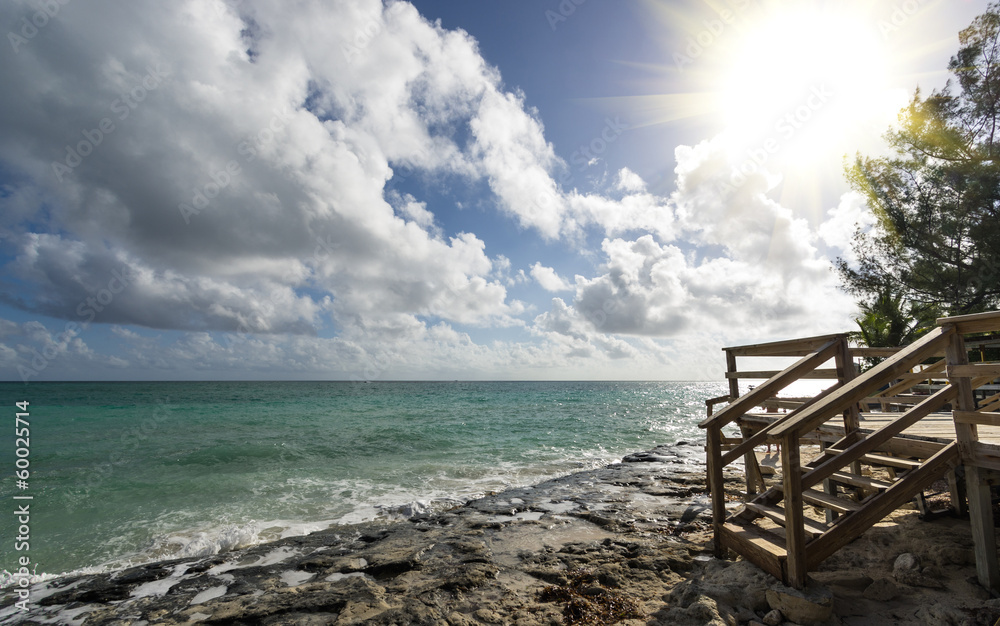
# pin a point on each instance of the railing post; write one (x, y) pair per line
(980, 506)
(852, 418)
(795, 534)
(716, 484)
(734, 383)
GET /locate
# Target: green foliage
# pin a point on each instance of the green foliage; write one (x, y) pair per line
(887, 322)
(936, 199)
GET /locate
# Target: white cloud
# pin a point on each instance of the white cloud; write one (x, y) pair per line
(548, 278)
(286, 133)
(843, 221)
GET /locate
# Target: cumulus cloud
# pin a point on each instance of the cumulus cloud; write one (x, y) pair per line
(738, 265)
(203, 167)
(548, 278)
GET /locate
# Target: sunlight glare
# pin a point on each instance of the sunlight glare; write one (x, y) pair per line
(807, 79)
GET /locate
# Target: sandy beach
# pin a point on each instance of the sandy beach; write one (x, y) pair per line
(629, 543)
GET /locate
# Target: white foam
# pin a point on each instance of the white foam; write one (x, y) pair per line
(209, 594)
(294, 578)
(274, 556)
(162, 586)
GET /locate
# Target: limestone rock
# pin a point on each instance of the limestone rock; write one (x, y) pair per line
(814, 605)
(882, 590)
(774, 618)
(906, 564)
(906, 570)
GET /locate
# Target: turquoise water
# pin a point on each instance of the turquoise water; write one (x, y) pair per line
(124, 473)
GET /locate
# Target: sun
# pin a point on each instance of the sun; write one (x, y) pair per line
(804, 82)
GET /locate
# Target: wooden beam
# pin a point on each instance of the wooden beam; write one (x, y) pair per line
(980, 503)
(874, 352)
(974, 323)
(986, 458)
(734, 385)
(977, 417)
(765, 374)
(716, 484)
(790, 347)
(762, 392)
(862, 386)
(991, 370)
(795, 537)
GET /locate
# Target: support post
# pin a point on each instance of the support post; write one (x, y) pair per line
(716, 485)
(846, 373)
(755, 479)
(795, 534)
(980, 506)
(734, 383)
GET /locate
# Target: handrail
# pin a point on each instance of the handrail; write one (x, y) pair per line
(862, 386)
(773, 385)
(973, 323)
(787, 347)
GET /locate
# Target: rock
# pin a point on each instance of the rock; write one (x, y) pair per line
(814, 605)
(906, 570)
(882, 590)
(906, 564)
(774, 618)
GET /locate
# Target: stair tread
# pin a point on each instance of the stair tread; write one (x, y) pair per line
(892, 461)
(881, 459)
(766, 550)
(777, 515)
(830, 501)
(860, 481)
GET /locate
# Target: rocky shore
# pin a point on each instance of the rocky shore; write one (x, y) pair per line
(629, 543)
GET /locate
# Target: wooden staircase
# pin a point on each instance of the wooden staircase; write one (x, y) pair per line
(853, 504)
(771, 528)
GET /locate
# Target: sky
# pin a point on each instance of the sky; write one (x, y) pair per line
(437, 189)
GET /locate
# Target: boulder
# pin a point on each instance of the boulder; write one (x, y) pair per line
(812, 606)
(882, 590)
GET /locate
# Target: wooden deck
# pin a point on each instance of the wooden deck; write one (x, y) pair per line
(938, 426)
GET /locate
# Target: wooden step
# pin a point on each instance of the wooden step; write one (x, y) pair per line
(890, 461)
(881, 459)
(764, 549)
(860, 481)
(828, 501)
(777, 515)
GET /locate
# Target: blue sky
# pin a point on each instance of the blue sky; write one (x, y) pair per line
(437, 189)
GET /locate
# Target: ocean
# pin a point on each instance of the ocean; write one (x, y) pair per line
(132, 472)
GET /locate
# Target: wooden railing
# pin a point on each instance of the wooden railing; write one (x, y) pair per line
(949, 383)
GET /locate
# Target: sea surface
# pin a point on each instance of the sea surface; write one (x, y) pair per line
(126, 473)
